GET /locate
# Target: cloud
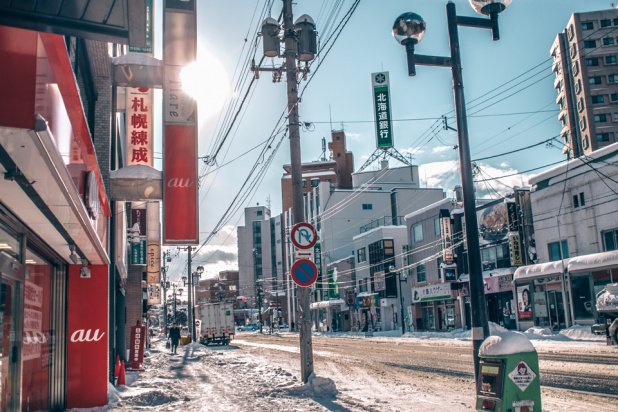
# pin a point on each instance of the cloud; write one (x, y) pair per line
(353, 136)
(441, 149)
(212, 254)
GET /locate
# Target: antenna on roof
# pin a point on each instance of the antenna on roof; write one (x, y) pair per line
(330, 116)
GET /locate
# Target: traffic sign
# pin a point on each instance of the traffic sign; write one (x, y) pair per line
(304, 235)
(304, 272)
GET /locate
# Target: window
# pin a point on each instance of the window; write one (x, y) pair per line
(575, 202)
(595, 80)
(590, 44)
(616, 117)
(610, 60)
(597, 99)
(555, 253)
(592, 62)
(338, 154)
(614, 97)
(600, 118)
(436, 226)
(304, 183)
(418, 233)
(612, 78)
(608, 41)
(587, 26)
(315, 182)
(338, 138)
(582, 199)
(606, 23)
(602, 137)
(259, 213)
(361, 255)
(421, 276)
(582, 123)
(615, 22)
(610, 240)
(367, 206)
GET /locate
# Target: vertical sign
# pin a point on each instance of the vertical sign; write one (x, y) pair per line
(153, 263)
(138, 253)
(446, 235)
(180, 191)
(149, 35)
(139, 134)
(317, 258)
(153, 254)
(87, 344)
(515, 250)
(379, 281)
(136, 348)
(382, 110)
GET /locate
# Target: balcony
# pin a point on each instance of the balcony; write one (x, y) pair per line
(383, 221)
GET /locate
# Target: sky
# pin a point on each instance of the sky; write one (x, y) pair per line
(508, 85)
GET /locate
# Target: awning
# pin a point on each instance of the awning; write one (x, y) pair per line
(540, 270)
(595, 261)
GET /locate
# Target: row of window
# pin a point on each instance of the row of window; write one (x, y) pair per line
(589, 25)
(605, 41)
(315, 182)
(594, 61)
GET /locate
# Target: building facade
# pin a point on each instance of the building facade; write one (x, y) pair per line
(586, 66)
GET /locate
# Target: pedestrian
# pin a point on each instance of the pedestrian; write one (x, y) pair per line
(174, 337)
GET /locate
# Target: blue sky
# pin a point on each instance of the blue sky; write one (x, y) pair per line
(508, 118)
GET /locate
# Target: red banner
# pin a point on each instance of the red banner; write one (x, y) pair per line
(87, 343)
(180, 223)
(136, 349)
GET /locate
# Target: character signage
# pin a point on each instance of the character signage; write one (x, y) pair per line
(136, 346)
(446, 235)
(304, 272)
(382, 110)
(515, 250)
(437, 291)
(379, 281)
(153, 263)
(303, 236)
(139, 127)
(522, 375)
(87, 343)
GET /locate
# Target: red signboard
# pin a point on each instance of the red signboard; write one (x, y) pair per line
(304, 272)
(136, 348)
(180, 186)
(87, 339)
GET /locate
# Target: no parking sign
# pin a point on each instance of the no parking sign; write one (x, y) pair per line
(304, 272)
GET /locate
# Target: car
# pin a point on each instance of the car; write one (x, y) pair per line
(251, 327)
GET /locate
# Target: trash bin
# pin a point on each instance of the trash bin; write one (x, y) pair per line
(508, 374)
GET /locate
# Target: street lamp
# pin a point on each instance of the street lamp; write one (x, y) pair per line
(196, 280)
(408, 30)
(392, 270)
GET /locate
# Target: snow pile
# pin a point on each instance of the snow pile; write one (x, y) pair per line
(607, 300)
(113, 395)
(580, 332)
(316, 387)
(538, 331)
(506, 343)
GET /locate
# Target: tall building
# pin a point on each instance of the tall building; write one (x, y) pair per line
(586, 66)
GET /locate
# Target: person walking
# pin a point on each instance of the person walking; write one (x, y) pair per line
(174, 337)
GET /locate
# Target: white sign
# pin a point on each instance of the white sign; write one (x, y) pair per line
(436, 291)
(154, 294)
(178, 106)
(139, 126)
(522, 375)
(303, 254)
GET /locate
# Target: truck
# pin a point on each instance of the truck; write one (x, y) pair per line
(607, 308)
(216, 322)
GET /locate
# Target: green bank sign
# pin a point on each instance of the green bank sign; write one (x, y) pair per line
(382, 110)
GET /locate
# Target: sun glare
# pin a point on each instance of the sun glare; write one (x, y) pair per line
(206, 81)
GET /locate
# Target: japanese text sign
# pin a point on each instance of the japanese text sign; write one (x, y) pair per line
(382, 110)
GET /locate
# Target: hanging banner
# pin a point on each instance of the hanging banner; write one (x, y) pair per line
(138, 220)
(382, 110)
(136, 346)
(149, 35)
(153, 263)
(515, 250)
(138, 253)
(87, 339)
(180, 191)
(446, 235)
(154, 294)
(379, 281)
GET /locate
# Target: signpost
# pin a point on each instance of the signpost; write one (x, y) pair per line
(382, 110)
(304, 272)
(304, 235)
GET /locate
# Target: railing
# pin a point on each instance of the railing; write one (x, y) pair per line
(383, 221)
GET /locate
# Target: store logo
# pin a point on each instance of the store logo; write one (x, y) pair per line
(178, 182)
(34, 337)
(81, 335)
(380, 78)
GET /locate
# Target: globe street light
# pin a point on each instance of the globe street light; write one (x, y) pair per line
(408, 30)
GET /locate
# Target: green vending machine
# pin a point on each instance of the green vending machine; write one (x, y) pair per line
(508, 374)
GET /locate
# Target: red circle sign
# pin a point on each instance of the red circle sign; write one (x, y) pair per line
(304, 272)
(303, 235)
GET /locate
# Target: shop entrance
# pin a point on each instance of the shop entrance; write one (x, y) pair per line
(10, 336)
(556, 309)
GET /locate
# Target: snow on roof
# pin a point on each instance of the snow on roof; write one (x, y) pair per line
(540, 270)
(340, 260)
(506, 343)
(432, 206)
(572, 164)
(375, 229)
(363, 294)
(498, 272)
(327, 303)
(136, 172)
(594, 261)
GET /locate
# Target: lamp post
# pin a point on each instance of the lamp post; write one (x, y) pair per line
(403, 325)
(196, 280)
(408, 30)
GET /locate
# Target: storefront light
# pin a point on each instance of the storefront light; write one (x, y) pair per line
(5, 246)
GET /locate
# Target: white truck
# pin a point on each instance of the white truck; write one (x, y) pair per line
(216, 322)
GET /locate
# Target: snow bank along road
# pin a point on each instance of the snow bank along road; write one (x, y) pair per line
(383, 373)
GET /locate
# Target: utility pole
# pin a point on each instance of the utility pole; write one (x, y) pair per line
(306, 349)
(189, 310)
(165, 290)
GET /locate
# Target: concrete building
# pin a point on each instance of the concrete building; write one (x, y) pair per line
(575, 208)
(223, 288)
(586, 65)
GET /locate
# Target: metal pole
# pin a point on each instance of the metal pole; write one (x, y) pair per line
(403, 324)
(165, 291)
(480, 328)
(174, 296)
(189, 308)
(306, 350)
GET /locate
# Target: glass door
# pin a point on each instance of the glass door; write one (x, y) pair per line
(556, 309)
(10, 348)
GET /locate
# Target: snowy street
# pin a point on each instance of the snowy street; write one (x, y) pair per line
(422, 371)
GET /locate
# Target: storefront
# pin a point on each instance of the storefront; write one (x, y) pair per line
(329, 315)
(53, 227)
(435, 307)
(499, 297)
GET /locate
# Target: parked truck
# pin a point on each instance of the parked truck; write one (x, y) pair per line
(216, 322)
